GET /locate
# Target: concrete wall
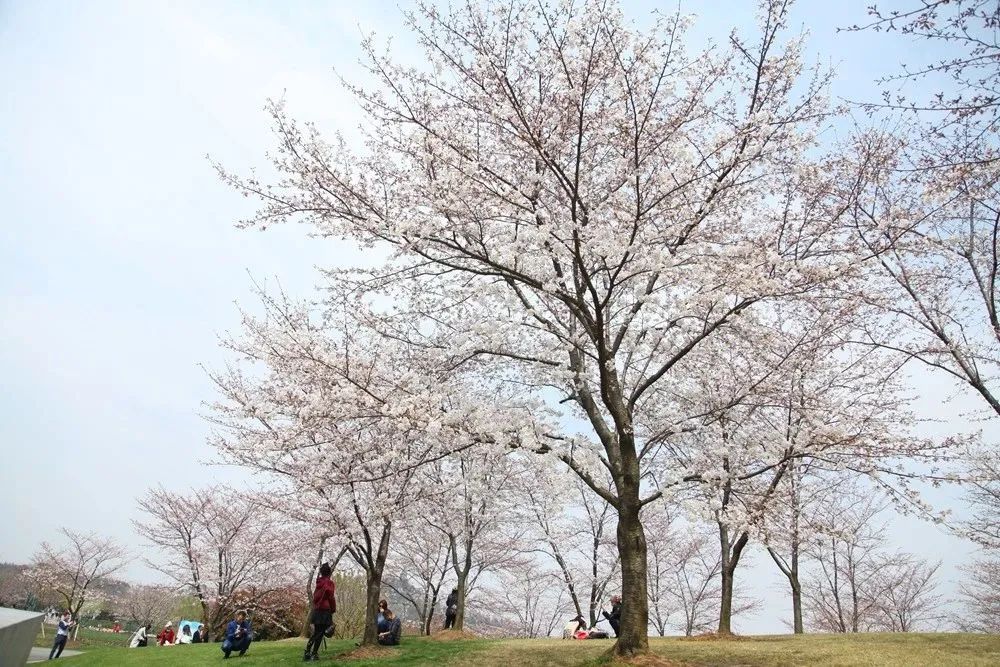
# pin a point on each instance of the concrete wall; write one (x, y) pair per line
(17, 633)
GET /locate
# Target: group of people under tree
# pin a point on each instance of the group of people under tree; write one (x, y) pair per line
(388, 624)
(608, 262)
(167, 636)
(237, 636)
(390, 628)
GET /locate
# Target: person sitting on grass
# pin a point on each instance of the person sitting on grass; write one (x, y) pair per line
(391, 636)
(166, 636)
(575, 625)
(185, 635)
(238, 635)
(380, 620)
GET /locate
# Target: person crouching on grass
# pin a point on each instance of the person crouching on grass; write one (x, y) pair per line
(238, 635)
(391, 636)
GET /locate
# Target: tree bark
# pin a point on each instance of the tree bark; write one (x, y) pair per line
(791, 572)
(462, 569)
(633, 639)
(796, 605)
(463, 579)
(726, 604)
(373, 587)
(730, 559)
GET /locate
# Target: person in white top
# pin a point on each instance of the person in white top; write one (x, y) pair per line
(141, 637)
(62, 634)
(184, 636)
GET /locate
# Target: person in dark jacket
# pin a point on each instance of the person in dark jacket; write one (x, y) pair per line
(451, 609)
(323, 608)
(615, 617)
(238, 635)
(391, 636)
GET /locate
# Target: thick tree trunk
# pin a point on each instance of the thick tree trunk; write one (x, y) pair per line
(373, 588)
(633, 639)
(462, 568)
(726, 604)
(797, 627)
(463, 578)
(730, 559)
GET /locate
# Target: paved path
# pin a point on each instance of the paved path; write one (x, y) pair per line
(39, 654)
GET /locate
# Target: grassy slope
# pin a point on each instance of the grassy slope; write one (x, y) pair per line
(882, 650)
(87, 638)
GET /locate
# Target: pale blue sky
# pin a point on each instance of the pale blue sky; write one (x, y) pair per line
(119, 262)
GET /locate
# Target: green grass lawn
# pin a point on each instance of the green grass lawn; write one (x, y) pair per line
(86, 639)
(881, 650)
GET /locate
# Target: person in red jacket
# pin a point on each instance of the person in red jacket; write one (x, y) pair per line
(166, 636)
(323, 608)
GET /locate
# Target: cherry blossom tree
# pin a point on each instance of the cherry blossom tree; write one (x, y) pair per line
(780, 399)
(75, 570)
(663, 544)
(979, 596)
(684, 578)
(849, 588)
(325, 408)
(788, 529)
(532, 601)
(597, 550)
(571, 525)
(420, 558)
(224, 546)
(566, 197)
(144, 603)
(472, 511)
(909, 601)
(925, 203)
(979, 591)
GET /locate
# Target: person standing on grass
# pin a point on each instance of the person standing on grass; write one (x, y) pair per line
(238, 635)
(451, 609)
(615, 617)
(391, 636)
(66, 624)
(324, 607)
